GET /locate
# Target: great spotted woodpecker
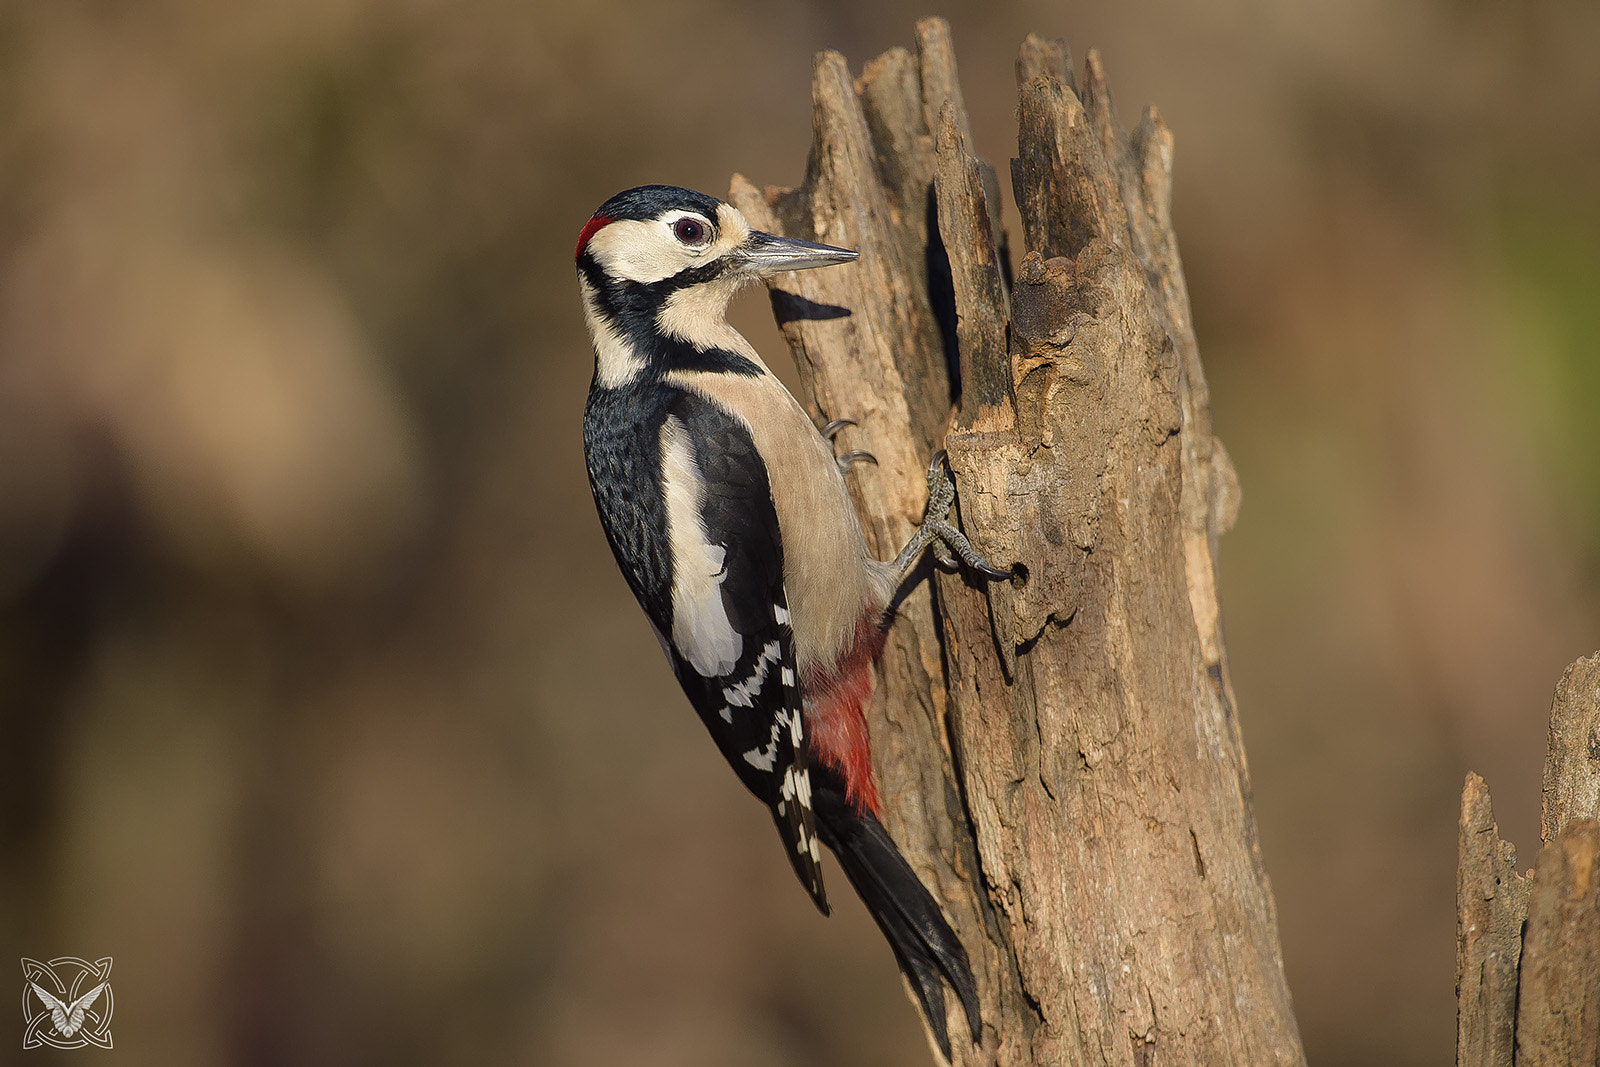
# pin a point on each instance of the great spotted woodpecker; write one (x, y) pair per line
(729, 517)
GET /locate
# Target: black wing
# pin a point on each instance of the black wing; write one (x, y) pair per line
(751, 702)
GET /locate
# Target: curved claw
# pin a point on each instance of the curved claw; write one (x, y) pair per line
(854, 456)
(831, 430)
(994, 574)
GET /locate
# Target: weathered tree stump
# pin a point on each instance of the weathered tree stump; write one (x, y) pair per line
(1060, 756)
(1528, 946)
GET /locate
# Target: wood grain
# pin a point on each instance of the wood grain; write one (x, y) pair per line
(1059, 755)
(1491, 904)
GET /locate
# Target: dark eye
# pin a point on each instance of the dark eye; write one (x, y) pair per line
(689, 231)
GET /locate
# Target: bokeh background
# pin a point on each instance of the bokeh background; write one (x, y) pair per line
(322, 708)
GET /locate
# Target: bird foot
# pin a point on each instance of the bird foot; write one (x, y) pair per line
(938, 532)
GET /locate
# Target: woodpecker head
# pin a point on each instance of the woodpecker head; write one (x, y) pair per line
(658, 265)
(656, 232)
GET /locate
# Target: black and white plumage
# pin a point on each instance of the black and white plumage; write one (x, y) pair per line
(701, 550)
(729, 517)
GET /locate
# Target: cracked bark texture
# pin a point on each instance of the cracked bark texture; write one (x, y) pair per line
(1059, 755)
(1528, 945)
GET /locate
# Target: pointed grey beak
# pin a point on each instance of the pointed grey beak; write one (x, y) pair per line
(764, 253)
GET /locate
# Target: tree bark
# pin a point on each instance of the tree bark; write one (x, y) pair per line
(1528, 945)
(1491, 904)
(1060, 756)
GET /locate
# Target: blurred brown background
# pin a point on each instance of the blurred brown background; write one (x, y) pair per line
(322, 708)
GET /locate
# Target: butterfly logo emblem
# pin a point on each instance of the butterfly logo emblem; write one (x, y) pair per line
(66, 1003)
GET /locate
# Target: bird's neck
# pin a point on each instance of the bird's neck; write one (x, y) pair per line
(698, 316)
(683, 329)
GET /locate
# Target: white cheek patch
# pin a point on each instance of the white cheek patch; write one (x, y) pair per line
(640, 250)
(701, 631)
(646, 250)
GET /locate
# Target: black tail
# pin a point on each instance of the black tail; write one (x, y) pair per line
(924, 945)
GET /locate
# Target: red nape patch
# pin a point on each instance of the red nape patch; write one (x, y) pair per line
(590, 228)
(834, 700)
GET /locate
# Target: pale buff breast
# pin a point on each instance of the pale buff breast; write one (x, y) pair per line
(829, 576)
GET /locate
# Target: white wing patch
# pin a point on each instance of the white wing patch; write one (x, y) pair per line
(701, 631)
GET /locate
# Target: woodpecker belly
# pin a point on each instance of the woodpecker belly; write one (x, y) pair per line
(828, 574)
(836, 591)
